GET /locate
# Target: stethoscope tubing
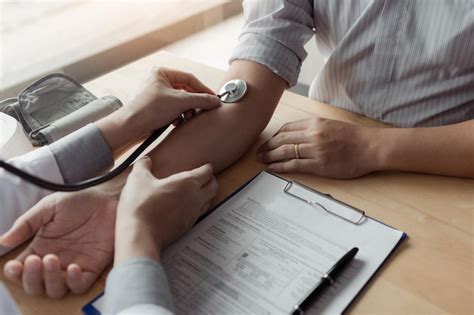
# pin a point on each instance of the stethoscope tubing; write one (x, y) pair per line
(87, 183)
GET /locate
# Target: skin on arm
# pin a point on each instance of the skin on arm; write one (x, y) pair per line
(222, 136)
(446, 150)
(341, 150)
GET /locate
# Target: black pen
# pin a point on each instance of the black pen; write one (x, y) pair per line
(326, 280)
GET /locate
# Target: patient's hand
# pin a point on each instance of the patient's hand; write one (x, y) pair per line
(73, 244)
(326, 147)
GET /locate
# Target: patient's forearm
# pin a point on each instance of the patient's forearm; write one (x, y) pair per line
(446, 150)
(223, 135)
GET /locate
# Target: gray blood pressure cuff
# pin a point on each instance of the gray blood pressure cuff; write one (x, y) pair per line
(55, 106)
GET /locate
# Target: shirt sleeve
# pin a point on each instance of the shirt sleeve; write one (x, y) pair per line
(136, 284)
(146, 309)
(274, 35)
(78, 156)
(82, 154)
(16, 195)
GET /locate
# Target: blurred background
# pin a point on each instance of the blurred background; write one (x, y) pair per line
(87, 38)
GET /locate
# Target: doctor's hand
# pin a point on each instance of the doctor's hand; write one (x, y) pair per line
(72, 244)
(326, 148)
(153, 212)
(166, 96)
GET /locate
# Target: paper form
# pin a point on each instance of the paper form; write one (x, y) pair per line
(263, 250)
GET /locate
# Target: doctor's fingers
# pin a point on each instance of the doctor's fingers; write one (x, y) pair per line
(194, 179)
(189, 101)
(142, 167)
(183, 80)
(29, 223)
(208, 192)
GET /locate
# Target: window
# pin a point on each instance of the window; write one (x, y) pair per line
(90, 37)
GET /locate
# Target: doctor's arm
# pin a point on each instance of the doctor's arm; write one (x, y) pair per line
(151, 214)
(62, 217)
(90, 150)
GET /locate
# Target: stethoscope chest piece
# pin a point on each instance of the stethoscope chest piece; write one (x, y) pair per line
(233, 91)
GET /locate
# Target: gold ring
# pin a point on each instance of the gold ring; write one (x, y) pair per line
(297, 151)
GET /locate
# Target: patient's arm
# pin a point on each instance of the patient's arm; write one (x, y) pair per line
(223, 135)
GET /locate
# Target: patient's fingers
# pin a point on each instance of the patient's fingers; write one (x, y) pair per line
(27, 225)
(33, 276)
(54, 281)
(13, 270)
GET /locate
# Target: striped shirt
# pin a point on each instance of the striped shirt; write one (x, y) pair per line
(403, 62)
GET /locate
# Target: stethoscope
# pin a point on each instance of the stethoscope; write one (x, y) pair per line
(232, 92)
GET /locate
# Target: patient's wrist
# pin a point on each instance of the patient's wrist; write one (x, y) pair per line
(120, 129)
(382, 148)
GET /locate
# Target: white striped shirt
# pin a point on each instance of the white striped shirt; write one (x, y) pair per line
(402, 62)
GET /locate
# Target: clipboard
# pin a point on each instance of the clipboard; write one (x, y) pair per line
(322, 204)
(346, 212)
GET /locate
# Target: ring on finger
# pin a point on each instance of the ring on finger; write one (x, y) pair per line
(297, 150)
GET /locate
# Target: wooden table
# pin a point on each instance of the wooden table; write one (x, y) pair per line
(431, 273)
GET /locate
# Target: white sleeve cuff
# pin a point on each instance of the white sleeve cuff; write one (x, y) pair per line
(17, 195)
(146, 309)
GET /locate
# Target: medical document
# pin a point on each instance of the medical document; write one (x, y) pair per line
(262, 251)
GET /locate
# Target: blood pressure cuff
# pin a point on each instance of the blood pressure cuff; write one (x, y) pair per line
(55, 106)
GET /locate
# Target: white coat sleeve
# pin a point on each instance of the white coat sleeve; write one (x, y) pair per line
(16, 195)
(78, 156)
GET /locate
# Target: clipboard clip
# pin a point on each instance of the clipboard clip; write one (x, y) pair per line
(356, 216)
